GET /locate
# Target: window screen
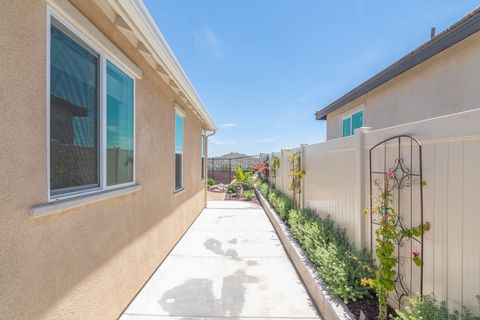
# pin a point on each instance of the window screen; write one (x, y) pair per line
(178, 151)
(74, 156)
(119, 126)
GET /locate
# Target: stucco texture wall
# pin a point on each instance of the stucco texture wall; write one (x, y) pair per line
(445, 84)
(87, 262)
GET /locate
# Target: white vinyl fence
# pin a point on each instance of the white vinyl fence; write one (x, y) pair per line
(337, 184)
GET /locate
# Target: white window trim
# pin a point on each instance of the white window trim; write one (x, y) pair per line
(181, 113)
(74, 20)
(102, 65)
(349, 114)
(203, 174)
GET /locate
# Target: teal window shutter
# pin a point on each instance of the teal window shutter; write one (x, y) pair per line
(346, 127)
(357, 121)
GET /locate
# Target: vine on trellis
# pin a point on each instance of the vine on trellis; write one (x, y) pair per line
(275, 167)
(297, 174)
(389, 237)
(392, 231)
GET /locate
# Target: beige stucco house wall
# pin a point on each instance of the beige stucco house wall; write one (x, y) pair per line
(89, 261)
(444, 84)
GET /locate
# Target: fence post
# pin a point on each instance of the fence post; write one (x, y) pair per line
(303, 184)
(359, 180)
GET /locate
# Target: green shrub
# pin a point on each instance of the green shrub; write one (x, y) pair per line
(248, 194)
(340, 265)
(283, 206)
(271, 196)
(231, 188)
(428, 308)
(243, 178)
(264, 188)
(281, 203)
(211, 181)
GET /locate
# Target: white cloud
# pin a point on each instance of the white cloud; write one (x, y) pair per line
(214, 140)
(305, 98)
(266, 140)
(228, 125)
(208, 38)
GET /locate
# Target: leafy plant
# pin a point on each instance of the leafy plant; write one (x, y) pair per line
(260, 168)
(281, 203)
(264, 188)
(275, 166)
(211, 181)
(248, 194)
(297, 174)
(388, 235)
(341, 266)
(243, 179)
(429, 308)
(231, 188)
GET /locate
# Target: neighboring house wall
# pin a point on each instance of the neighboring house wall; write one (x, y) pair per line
(445, 84)
(87, 262)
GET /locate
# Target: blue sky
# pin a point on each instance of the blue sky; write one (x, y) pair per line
(263, 67)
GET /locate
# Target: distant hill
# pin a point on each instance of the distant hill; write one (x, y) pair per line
(233, 155)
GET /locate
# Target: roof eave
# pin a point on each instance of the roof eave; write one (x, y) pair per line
(458, 32)
(152, 43)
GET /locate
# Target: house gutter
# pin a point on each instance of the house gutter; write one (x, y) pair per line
(211, 134)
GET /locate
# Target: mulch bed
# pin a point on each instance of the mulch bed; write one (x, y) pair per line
(369, 306)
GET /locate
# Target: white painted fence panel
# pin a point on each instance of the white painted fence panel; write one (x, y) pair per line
(329, 187)
(337, 184)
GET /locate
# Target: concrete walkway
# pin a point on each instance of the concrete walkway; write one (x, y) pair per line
(230, 264)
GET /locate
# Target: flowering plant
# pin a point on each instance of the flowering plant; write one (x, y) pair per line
(388, 235)
(261, 168)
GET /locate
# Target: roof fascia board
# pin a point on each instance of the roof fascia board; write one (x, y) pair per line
(423, 53)
(137, 16)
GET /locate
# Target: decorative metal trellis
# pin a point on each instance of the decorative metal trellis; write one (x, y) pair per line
(401, 158)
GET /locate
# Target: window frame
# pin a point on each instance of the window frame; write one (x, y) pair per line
(103, 57)
(179, 111)
(202, 156)
(349, 116)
